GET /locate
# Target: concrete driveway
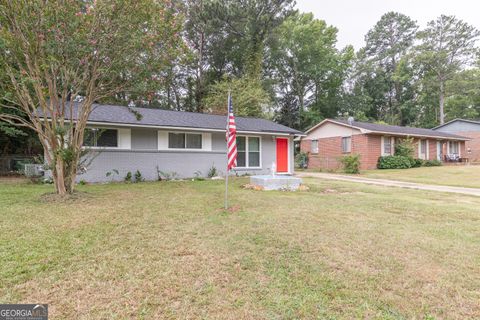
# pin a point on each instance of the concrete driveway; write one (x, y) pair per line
(389, 183)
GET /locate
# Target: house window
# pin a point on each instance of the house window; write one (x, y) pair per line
(423, 147)
(248, 152)
(453, 146)
(96, 137)
(387, 145)
(184, 140)
(314, 146)
(346, 144)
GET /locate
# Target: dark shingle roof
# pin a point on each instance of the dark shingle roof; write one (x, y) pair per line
(409, 131)
(475, 121)
(113, 114)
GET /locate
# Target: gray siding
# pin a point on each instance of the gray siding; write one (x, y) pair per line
(218, 142)
(459, 126)
(144, 139)
(184, 163)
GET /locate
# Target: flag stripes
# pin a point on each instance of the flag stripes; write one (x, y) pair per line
(231, 137)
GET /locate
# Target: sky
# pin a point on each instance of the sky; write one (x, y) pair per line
(353, 18)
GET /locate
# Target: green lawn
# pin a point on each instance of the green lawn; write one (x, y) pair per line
(166, 250)
(458, 176)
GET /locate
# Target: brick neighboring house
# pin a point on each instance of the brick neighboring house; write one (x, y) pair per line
(466, 128)
(331, 139)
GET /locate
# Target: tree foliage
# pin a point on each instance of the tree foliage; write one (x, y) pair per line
(54, 51)
(248, 97)
(308, 69)
(447, 46)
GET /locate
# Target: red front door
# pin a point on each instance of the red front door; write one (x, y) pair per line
(282, 155)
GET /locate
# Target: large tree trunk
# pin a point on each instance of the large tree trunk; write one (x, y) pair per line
(442, 102)
(58, 174)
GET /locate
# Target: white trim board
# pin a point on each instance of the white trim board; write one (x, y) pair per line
(128, 125)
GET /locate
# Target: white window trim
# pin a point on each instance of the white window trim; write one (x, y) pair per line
(341, 145)
(124, 139)
(439, 150)
(458, 147)
(247, 151)
(163, 137)
(392, 146)
(311, 147)
(426, 155)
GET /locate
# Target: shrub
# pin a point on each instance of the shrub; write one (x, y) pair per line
(394, 162)
(351, 163)
(212, 172)
(112, 174)
(301, 160)
(432, 163)
(165, 175)
(405, 147)
(198, 176)
(128, 177)
(417, 163)
(138, 176)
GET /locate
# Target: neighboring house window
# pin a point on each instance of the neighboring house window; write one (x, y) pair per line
(248, 152)
(100, 138)
(314, 146)
(422, 149)
(184, 141)
(346, 144)
(423, 146)
(387, 146)
(453, 146)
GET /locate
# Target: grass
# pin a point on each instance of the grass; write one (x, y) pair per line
(457, 176)
(167, 250)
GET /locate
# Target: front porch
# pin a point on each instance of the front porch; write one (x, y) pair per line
(452, 152)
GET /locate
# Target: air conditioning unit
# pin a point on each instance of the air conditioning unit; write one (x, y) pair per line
(34, 170)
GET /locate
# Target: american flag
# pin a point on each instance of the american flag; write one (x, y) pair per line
(231, 136)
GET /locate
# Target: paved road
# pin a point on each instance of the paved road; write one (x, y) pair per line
(390, 183)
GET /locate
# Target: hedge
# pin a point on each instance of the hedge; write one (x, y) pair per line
(395, 162)
(403, 162)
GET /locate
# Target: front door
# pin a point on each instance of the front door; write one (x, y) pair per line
(282, 155)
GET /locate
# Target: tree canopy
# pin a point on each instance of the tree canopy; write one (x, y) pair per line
(188, 54)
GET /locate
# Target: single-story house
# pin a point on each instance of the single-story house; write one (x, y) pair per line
(466, 128)
(184, 144)
(331, 139)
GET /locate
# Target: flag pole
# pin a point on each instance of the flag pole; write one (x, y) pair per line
(226, 187)
(226, 167)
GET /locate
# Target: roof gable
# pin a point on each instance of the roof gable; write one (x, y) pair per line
(475, 122)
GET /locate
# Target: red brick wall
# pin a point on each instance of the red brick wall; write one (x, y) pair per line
(369, 148)
(432, 148)
(473, 144)
(463, 150)
(330, 150)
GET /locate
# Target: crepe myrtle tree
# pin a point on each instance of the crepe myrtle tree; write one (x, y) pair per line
(52, 51)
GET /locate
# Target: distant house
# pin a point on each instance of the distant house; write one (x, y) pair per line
(184, 143)
(331, 139)
(467, 128)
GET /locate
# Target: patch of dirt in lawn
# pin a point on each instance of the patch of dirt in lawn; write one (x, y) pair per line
(56, 198)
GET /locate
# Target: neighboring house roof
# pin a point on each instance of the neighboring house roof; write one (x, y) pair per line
(458, 119)
(120, 115)
(367, 127)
